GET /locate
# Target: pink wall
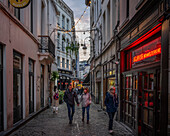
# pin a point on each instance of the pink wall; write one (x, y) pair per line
(14, 38)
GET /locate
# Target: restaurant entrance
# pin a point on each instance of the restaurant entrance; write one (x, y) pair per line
(141, 101)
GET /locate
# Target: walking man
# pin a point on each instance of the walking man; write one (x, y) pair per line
(69, 97)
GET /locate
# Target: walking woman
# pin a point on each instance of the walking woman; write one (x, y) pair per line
(55, 100)
(111, 102)
(85, 101)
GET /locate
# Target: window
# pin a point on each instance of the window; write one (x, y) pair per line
(104, 29)
(17, 87)
(9, 4)
(58, 61)
(63, 62)
(108, 21)
(127, 8)
(67, 63)
(63, 41)
(31, 16)
(67, 44)
(67, 24)
(63, 21)
(58, 19)
(17, 13)
(58, 41)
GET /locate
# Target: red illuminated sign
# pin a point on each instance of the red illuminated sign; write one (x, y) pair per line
(147, 55)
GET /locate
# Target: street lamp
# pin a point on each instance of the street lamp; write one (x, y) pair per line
(84, 46)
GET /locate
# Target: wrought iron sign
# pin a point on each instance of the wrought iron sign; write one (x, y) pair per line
(19, 3)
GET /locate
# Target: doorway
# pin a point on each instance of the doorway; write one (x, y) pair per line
(31, 86)
(17, 87)
(140, 104)
(42, 86)
(1, 89)
(150, 102)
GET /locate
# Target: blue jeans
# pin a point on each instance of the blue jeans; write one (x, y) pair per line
(111, 115)
(71, 110)
(87, 111)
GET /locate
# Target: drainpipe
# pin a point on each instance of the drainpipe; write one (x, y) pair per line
(117, 59)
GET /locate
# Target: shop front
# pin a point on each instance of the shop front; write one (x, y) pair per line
(109, 79)
(64, 79)
(140, 84)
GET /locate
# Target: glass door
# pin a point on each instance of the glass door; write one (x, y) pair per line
(1, 89)
(31, 86)
(17, 87)
(148, 102)
(129, 99)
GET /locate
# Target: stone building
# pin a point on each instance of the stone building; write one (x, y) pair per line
(67, 62)
(135, 59)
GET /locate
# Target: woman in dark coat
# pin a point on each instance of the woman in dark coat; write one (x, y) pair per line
(111, 102)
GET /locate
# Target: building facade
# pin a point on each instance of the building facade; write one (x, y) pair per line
(26, 53)
(67, 61)
(135, 59)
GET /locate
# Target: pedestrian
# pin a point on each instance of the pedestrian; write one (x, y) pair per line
(111, 102)
(69, 97)
(55, 100)
(85, 101)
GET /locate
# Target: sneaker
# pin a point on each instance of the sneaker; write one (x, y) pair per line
(111, 131)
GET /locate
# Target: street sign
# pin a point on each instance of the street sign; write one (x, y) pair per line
(19, 3)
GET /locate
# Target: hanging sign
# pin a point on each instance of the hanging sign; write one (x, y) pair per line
(19, 3)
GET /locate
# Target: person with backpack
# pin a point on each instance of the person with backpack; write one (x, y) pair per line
(69, 97)
(111, 102)
(85, 101)
(55, 100)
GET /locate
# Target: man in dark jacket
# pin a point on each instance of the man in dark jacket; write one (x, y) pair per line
(111, 102)
(69, 97)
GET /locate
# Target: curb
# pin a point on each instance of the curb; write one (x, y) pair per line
(22, 122)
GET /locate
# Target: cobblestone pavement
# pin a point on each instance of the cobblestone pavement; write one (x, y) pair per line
(49, 124)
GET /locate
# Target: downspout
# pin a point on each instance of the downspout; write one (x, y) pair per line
(117, 59)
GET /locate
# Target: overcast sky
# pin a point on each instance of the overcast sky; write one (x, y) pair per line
(78, 7)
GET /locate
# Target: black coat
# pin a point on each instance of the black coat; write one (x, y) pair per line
(111, 103)
(70, 97)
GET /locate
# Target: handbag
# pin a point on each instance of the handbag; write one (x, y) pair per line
(56, 96)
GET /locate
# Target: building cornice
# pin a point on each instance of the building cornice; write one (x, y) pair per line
(18, 23)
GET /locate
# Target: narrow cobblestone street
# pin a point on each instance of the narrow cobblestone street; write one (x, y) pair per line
(49, 124)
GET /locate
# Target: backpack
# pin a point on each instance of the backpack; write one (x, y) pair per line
(56, 96)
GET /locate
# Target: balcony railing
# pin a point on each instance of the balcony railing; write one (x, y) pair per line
(47, 45)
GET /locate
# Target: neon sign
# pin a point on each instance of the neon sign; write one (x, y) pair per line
(149, 54)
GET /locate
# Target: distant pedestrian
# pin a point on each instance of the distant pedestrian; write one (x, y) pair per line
(111, 102)
(55, 100)
(85, 101)
(69, 97)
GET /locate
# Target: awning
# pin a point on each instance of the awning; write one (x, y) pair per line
(87, 80)
(66, 75)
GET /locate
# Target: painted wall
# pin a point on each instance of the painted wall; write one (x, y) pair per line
(15, 35)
